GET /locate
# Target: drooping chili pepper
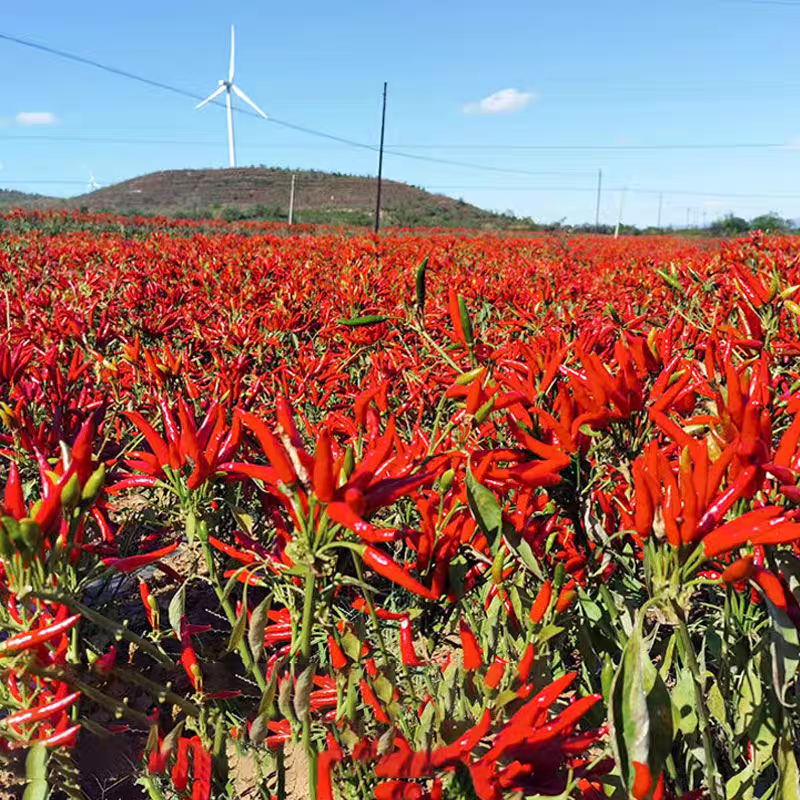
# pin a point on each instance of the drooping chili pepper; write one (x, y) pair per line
(526, 663)
(472, 654)
(389, 569)
(495, 673)
(14, 499)
(180, 769)
(369, 698)
(541, 603)
(27, 641)
(407, 651)
(201, 770)
(643, 501)
(740, 570)
(565, 597)
(360, 604)
(132, 563)
(134, 482)
(642, 781)
(190, 664)
(771, 586)
(338, 658)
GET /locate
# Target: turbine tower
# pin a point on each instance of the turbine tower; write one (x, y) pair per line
(93, 184)
(228, 86)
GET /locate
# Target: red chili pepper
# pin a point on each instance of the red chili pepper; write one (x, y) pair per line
(526, 663)
(237, 555)
(642, 781)
(201, 771)
(323, 479)
(566, 596)
(42, 712)
(180, 769)
(14, 499)
(495, 673)
(369, 698)
(272, 448)
(771, 586)
(643, 501)
(27, 641)
(338, 658)
(157, 444)
(384, 566)
(360, 604)
(717, 510)
(65, 738)
(472, 654)
(407, 652)
(132, 563)
(740, 570)
(541, 603)
(189, 663)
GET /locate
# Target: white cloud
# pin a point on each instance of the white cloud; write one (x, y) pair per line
(793, 144)
(503, 102)
(35, 118)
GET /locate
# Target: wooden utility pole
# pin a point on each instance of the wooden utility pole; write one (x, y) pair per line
(380, 163)
(597, 206)
(291, 201)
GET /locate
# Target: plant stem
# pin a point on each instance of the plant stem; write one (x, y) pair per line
(705, 727)
(113, 627)
(308, 612)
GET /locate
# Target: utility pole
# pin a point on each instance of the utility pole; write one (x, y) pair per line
(621, 207)
(660, 206)
(597, 206)
(380, 163)
(291, 201)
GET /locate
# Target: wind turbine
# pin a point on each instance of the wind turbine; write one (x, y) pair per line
(228, 86)
(93, 184)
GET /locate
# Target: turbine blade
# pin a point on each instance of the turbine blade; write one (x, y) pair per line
(247, 100)
(233, 45)
(216, 93)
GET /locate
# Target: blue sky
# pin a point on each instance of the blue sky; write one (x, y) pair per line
(604, 79)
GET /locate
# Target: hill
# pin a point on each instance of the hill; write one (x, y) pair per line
(263, 193)
(9, 198)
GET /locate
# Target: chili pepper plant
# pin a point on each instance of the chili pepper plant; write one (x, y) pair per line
(412, 516)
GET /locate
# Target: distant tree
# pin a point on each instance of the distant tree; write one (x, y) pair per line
(770, 223)
(729, 225)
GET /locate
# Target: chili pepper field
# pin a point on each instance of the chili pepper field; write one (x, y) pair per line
(327, 515)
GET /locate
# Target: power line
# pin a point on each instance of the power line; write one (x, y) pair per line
(393, 150)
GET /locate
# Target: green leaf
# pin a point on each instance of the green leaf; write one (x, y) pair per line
(383, 689)
(259, 729)
(302, 692)
(519, 548)
(424, 727)
(485, 509)
(659, 712)
(717, 708)
(788, 774)
(171, 739)
(258, 624)
(741, 785)
(784, 649)
(237, 634)
(750, 697)
(177, 609)
(683, 700)
(629, 719)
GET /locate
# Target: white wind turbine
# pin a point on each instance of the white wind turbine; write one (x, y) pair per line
(228, 86)
(93, 184)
